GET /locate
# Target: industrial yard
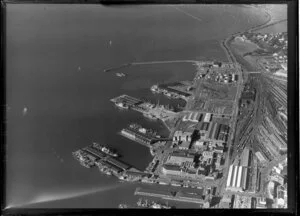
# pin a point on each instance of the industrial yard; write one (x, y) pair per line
(223, 141)
(228, 140)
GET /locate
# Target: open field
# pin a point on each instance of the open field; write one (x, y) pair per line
(216, 91)
(219, 106)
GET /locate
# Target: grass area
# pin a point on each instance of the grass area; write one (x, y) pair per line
(214, 90)
(220, 107)
(198, 104)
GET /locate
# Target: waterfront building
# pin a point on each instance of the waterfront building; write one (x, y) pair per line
(115, 169)
(139, 175)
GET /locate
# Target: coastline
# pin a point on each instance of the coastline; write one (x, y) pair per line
(225, 42)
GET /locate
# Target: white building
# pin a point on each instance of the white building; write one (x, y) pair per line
(192, 116)
(207, 117)
(180, 136)
(237, 178)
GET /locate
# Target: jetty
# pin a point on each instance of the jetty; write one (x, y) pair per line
(171, 195)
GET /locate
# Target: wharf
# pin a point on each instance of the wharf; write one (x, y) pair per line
(171, 195)
(90, 156)
(140, 141)
(127, 100)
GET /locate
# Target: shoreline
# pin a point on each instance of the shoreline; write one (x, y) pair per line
(225, 42)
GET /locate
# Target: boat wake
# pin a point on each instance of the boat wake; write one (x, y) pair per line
(57, 196)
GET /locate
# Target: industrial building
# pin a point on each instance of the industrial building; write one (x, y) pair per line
(260, 157)
(178, 158)
(237, 178)
(169, 169)
(182, 136)
(184, 145)
(207, 117)
(213, 131)
(193, 117)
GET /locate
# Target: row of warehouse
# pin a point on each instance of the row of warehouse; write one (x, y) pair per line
(197, 117)
(238, 175)
(207, 131)
(237, 178)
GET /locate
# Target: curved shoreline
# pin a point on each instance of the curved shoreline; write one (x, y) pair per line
(225, 42)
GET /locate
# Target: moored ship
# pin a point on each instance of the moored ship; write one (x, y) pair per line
(139, 134)
(104, 149)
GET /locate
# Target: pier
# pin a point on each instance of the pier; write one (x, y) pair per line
(117, 67)
(128, 100)
(171, 195)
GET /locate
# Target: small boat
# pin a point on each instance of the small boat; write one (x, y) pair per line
(120, 74)
(25, 109)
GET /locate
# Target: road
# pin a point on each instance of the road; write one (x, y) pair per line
(164, 62)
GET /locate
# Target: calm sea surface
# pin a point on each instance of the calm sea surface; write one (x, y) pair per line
(69, 108)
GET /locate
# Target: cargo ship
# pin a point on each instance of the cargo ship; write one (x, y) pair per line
(104, 149)
(139, 134)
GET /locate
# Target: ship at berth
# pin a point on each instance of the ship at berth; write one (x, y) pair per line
(102, 157)
(141, 135)
(105, 149)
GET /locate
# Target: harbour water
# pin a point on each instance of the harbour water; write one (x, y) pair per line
(55, 60)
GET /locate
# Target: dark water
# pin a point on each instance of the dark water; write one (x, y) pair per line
(69, 108)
